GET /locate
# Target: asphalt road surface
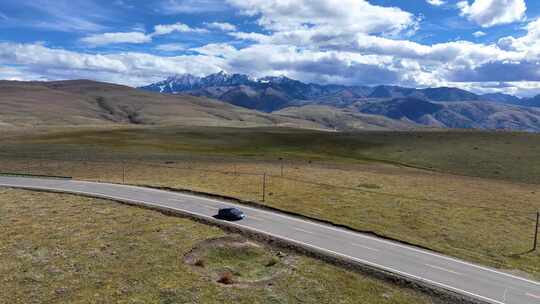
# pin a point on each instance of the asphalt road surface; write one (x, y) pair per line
(482, 283)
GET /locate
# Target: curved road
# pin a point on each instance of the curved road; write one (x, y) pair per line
(484, 284)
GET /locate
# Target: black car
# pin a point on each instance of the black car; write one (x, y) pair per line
(230, 214)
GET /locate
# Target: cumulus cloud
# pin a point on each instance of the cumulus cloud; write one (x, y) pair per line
(479, 34)
(139, 37)
(115, 38)
(333, 67)
(529, 43)
(171, 47)
(323, 25)
(191, 6)
(436, 2)
(345, 15)
(125, 68)
(216, 49)
(177, 27)
(488, 13)
(329, 41)
(223, 26)
(18, 74)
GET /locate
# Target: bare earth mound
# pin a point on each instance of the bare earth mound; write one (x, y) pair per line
(233, 260)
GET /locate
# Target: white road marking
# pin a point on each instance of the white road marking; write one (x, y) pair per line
(262, 216)
(365, 247)
(443, 269)
(366, 237)
(302, 230)
(372, 264)
(532, 296)
(207, 207)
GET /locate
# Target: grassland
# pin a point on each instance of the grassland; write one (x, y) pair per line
(475, 199)
(68, 249)
(498, 155)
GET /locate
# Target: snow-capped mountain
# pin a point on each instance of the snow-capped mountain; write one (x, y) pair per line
(266, 94)
(187, 82)
(274, 93)
(435, 107)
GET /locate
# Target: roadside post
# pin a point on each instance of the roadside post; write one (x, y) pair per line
(535, 246)
(264, 187)
(123, 172)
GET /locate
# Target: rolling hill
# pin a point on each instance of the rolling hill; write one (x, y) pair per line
(83, 102)
(346, 119)
(90, 103)
(465, 114)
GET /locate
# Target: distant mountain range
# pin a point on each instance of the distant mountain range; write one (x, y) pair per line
(96, 104)
(340, 107)
(89, 103)
(269, 94)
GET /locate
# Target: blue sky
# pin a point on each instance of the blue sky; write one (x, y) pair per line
(480, 45)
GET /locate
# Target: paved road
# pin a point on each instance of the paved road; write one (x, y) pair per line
(482, 283)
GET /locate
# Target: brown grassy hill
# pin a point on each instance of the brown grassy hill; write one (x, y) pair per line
(462, 114)
(344, 119)
(84, 102)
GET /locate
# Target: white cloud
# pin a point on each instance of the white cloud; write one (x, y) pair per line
(139, 37)
(348, 41)
(124, 68)
(177, 27)
(529, 43)
(436, 2)
(171, 47)
(322, 25)
(18, 74)
(487, 13)
(191, 6)
(116, 38)
(223, 26)
(351, 16)
(479, 34)
(257, 37)
(216, 49)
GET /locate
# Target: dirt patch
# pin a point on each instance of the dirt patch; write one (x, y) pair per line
(236, 261)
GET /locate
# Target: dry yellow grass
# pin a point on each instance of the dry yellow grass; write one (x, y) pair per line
(456, 215)
(488, 219)
(68, 249)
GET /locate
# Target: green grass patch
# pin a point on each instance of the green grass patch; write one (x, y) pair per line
(500, 155)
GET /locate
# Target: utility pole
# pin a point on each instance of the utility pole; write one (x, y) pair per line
(281, 158)
(535, 246)
(264, 187)
(123, 172)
